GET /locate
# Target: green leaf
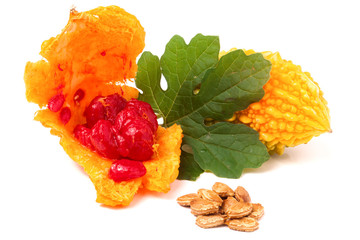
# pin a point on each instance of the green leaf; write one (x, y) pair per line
(183, 67)
(189, 169)
(226, 149)
(227, 85)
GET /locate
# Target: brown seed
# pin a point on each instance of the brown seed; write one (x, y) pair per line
(239, 210)
(210, 195)
(222, 205)
(257, 211)
(245, 224)
(241, 193)
(203, 207)
(210, 221)
(227, 203)
(223, 190)
(186, 199)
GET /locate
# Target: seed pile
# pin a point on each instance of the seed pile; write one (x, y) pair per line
(223, 206)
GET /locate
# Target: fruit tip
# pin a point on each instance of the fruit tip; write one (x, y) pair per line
(73, 10)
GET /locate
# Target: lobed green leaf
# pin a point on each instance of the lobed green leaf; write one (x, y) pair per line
(189, 169)
(227, 85)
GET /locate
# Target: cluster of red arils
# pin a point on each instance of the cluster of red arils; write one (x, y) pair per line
(56, 103)
(116, 129)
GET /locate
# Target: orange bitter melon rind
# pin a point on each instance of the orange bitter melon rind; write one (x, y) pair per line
(75, 59)
(293, 109)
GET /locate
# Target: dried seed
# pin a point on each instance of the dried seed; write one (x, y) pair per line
(240, 199)
(222, 205)
(227, 203)
(239, 210)
(241, 193)
(210, 195)
(245, 224)
(222, 190)
(186, 199)
(203, 207)
(210, 221)
(257, 211)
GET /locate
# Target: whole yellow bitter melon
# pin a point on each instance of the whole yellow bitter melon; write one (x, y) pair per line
(293, 109)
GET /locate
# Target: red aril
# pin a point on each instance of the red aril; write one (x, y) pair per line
(56, 102)
(124, 117)
(78, 95)
(95, 111)
(105, 108)
(123, 147)
(65, 115)
(139, 139)
(114, 104)
(116, 128)
(124, 170)
(104, 140)
(145, 111)
(82, 134)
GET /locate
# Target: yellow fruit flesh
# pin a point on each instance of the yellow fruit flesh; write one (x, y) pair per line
(293, 109)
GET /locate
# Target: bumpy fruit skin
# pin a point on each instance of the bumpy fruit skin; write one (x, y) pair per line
(293, 109)
(92, 56)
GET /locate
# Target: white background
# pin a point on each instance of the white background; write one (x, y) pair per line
(309, 192)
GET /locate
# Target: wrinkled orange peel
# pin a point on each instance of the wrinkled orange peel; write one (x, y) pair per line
(96, 52)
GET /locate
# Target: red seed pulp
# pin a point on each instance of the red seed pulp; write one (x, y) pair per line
(118, 129)
(138, 139)
(145, 111)
(82, 133)
(124, 170)
(105, 108)
(113, 104)
(95, 112)
(78, 95)
(104, 140)
(56, 102)
(65, 115)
